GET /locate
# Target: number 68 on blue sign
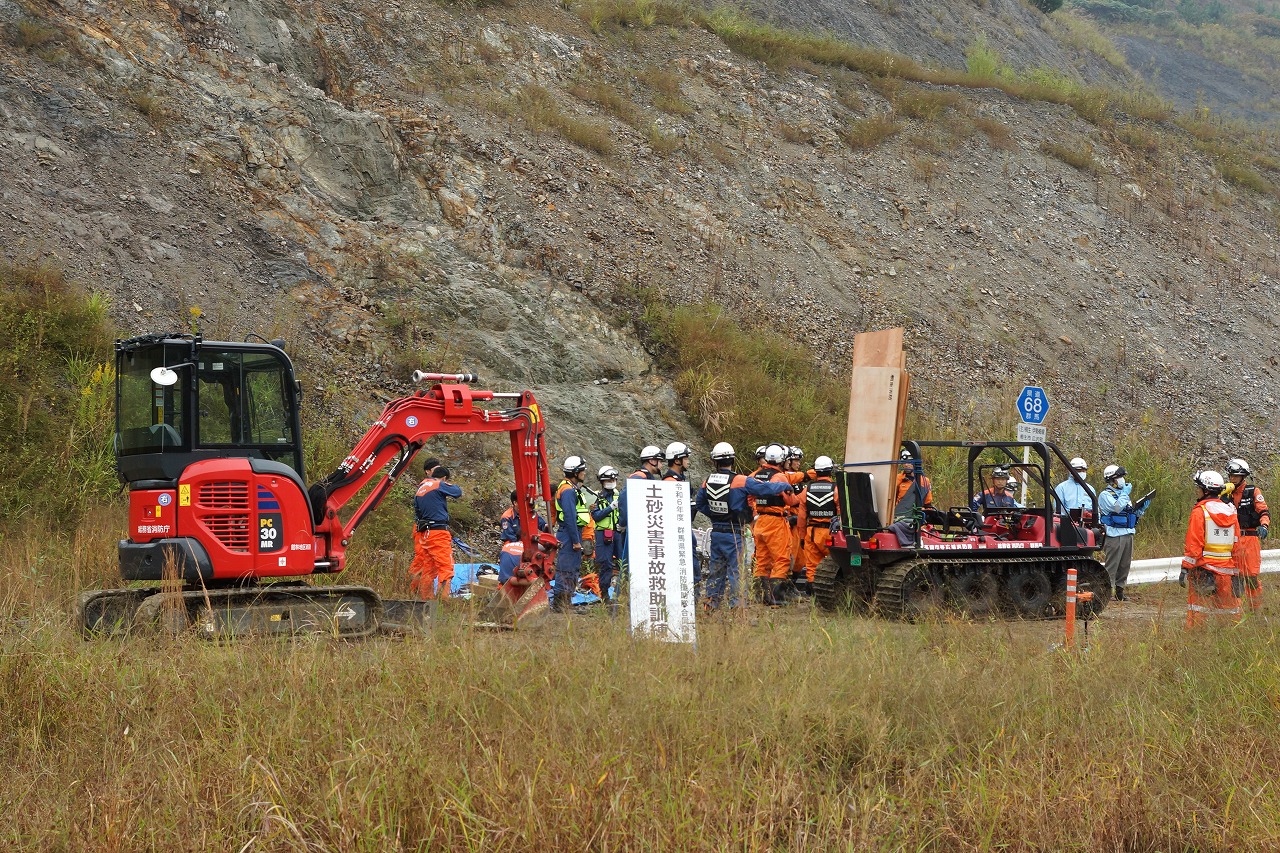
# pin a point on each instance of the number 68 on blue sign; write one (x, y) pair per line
(1033, 404)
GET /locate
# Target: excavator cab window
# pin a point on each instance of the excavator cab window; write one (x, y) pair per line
(246, 401)
(214, 400)
(149, 417)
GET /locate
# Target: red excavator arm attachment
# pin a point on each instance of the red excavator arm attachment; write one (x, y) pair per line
(450, 405)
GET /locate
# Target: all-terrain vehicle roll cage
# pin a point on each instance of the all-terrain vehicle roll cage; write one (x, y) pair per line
(859, 519)
(988, 556)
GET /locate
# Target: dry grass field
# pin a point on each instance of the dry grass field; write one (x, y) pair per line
(780, 731)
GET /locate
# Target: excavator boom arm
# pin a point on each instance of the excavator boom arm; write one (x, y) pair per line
(391, 442)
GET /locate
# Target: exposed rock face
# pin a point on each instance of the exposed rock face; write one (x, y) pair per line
(379, 183)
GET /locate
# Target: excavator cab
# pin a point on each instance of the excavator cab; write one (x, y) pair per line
(180, 400)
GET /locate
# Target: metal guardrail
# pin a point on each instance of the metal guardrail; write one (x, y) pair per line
(1167, 568)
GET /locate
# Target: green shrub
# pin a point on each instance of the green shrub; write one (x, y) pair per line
(1047, 6)
(743, 384)
(981, 61)
(57, 394)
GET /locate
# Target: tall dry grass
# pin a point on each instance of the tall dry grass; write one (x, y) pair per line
(793, 731)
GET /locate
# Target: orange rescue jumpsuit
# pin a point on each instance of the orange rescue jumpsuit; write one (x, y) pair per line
(772, 531)
(795, 478)
(432, 542)
(817, 508)
(1212, 585)
(1251, 510)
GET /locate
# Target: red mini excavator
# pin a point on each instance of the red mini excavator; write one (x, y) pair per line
(209, 444)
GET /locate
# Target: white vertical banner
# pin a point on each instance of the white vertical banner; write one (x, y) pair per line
(660, 560)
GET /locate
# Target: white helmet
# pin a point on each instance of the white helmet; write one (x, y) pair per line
(723, 450)
(1079, 464)
(574, 464)
(677, 450)
(1210, 481)
(650, 452)
(1111, 472)
(608, 472)
(1238, 468)
(775, 454)
(760, 452)
(823, 465)
(794, 452)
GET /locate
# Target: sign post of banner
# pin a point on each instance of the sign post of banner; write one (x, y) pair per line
(1033, 408)
(660, 560)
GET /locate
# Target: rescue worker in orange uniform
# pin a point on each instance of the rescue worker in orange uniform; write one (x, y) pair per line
(913, 490)
(797, 476)
(1208, 568)
(432, 542)
(772, 530)
(817, 508)
(1255, 523)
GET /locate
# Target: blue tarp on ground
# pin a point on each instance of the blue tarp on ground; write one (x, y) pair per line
(465, 574)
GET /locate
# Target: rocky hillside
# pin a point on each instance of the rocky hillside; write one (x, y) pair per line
(419, 183)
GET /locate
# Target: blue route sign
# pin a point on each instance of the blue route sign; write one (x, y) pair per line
(1033, 405)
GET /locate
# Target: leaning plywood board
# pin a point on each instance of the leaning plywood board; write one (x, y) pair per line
(879, 349)
(876, 403)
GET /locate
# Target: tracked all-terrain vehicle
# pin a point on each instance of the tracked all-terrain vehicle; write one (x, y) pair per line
(984, 561)
(224, 533)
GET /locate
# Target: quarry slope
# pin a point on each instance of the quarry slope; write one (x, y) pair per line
(396, 184)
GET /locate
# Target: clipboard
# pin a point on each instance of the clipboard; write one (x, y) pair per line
(1148, 496)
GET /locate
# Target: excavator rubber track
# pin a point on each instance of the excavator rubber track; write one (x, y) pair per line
(1028, 588)
(282, 609)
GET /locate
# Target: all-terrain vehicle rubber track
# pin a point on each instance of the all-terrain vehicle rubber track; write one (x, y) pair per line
(1030, 588)
(834, 593)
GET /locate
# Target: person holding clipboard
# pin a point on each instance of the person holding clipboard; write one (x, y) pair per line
(1119, 515)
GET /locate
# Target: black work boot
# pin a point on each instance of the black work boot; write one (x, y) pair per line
(773, 592)
(1120, 594)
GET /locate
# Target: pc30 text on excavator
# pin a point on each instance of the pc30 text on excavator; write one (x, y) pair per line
(209, 446)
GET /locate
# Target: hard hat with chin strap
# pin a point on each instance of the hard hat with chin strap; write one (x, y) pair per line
(608, 472)
(650, 452)
(1113, 472)
(677, 450)
(723, 450)
(823, 465)
(775, 454)
(1210, 481)
(574, 464)
(1079, 464)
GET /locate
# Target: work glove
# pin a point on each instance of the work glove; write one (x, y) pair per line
(1227, 490)
(1262, 531)
(1182, 578)
(1126, 488)
(798, 488)
(1142, 507)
